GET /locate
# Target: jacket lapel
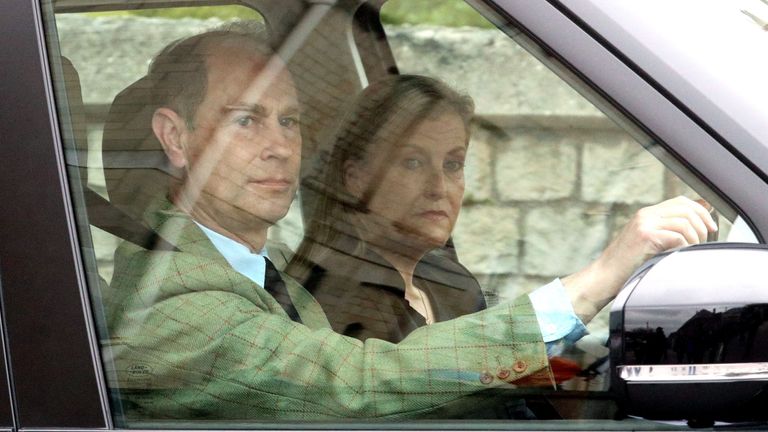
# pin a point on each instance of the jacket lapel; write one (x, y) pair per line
(178, 228)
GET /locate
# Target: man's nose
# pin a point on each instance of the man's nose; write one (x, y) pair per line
(279, 142)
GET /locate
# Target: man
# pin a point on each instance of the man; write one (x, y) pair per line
(209, 331)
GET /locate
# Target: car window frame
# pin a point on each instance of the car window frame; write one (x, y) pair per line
(51, 349)
(52, 281)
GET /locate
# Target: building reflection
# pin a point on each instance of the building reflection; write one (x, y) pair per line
(719, 335)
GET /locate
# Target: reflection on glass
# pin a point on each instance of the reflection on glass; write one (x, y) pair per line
(196, 141)
(726, 334)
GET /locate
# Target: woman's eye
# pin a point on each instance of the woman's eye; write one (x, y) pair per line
(453, 166)
(412, 164)
(289, 122)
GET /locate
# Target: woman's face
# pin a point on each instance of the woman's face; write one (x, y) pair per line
(415, 185)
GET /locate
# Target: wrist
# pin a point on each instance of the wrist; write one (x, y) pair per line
(589, 291)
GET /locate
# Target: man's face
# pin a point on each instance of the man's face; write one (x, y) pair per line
(243, 153)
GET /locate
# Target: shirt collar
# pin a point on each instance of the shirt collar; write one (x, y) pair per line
(238, 255)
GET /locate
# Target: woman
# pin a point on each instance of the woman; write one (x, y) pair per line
(375, 253)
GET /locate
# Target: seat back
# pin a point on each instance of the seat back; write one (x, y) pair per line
(136, 170)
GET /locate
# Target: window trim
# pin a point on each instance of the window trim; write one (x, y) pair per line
(50, 339)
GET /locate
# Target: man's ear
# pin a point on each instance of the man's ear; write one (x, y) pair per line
(170, 129)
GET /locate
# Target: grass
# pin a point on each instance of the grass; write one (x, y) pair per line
(200, 12)
(450, 13)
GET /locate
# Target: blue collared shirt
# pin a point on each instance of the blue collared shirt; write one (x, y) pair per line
(239, 256)
(557, 320)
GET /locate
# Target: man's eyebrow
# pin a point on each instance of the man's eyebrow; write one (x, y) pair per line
(292, 109)
(407, 145)
(257, 109)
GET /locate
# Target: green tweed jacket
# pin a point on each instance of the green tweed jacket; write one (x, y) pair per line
(189, 338)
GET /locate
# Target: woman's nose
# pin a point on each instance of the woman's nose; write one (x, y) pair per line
(434, 187)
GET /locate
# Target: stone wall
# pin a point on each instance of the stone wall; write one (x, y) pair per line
(543, 201)
(549, 177)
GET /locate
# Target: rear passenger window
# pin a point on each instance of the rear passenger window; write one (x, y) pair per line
(315, 212)
(101, 54)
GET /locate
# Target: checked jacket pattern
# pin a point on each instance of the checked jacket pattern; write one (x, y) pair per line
(189, 338)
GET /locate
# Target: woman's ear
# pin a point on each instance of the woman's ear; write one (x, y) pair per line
(170, 128)
(353, 178)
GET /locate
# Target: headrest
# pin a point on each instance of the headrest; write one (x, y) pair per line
(136, 169)
(74, 98)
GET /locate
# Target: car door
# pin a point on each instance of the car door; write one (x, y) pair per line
(576, 127)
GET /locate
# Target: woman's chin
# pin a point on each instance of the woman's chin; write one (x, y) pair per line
(424, 240)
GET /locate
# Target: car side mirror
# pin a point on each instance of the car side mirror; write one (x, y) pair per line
(689, 336)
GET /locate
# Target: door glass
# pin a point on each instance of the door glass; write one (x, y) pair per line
(553, 173)
(551, 168)
(298, 214)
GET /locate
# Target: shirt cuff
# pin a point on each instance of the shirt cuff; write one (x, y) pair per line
(555, 314)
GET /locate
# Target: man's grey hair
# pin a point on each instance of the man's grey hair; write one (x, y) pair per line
(179, 73)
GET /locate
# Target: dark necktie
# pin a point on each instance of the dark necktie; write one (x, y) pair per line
(275, 285)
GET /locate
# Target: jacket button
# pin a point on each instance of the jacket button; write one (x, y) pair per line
(486, 378)
(503, 374)
(520, 366)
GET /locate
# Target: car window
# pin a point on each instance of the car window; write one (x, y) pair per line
(410, 179)
(553, 172)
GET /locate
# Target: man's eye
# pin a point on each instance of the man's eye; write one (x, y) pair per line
(289, 122)
(244, 121)
(412, 164)
(453, 166)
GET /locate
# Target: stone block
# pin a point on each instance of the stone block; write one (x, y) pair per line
(290, 229)
(487, 238)
(536, 165)
(511, 287)
(104, 245)
(477, 172)
(561, 239)
(615, 168)
(675, 187)
(111, 52)
(501, 76)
